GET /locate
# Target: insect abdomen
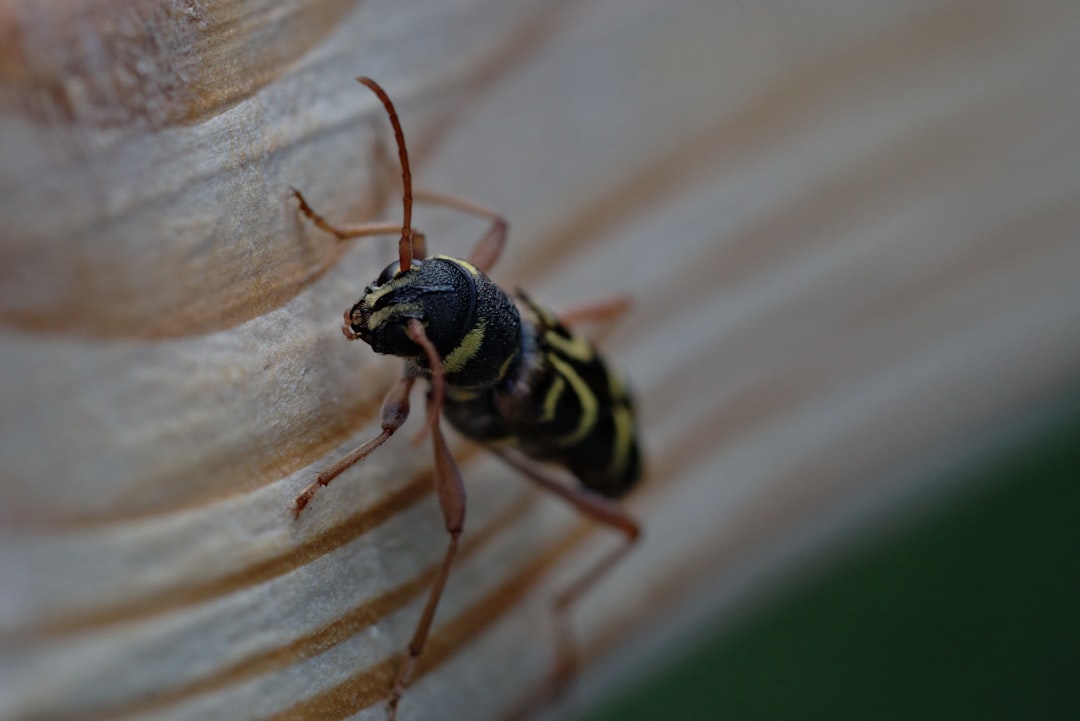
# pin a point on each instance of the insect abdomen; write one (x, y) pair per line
(586, 416)
(568, 408)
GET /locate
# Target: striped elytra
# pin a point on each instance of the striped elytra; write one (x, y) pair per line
(556, 401)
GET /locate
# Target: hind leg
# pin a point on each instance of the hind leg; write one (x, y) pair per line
(602, 510)
(608, 310)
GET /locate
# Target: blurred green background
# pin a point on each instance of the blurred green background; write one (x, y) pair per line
(970, 610)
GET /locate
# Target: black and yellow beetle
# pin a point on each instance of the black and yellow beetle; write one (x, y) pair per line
(504, 371)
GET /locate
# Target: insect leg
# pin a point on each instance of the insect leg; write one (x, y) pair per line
(346, 232)
(487, 250)
(602, 510)
(451, 493)
(603, 311)
(395, 409)
(438, 378)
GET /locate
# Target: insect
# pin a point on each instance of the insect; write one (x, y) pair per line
(505, 372)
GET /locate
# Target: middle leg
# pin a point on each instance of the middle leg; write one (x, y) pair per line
(487, 250)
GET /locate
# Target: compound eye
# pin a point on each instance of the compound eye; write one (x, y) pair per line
(388, 274)
(397, 341)
(391, 271)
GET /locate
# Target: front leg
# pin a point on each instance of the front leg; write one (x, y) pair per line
(395, 409)
(451, 494)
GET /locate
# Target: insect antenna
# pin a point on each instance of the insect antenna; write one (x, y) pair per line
(405, 253)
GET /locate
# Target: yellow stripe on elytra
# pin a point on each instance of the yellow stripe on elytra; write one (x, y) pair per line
(506, 366)
(461, 395)
(509, 441)
(382, 314)
(545, 316)
(469, 346)
(585, 396)
(624, 438)
(574, 347)
(616, 388)
(551, 399)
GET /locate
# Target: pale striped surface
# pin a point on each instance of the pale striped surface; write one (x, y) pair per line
(851, 234)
